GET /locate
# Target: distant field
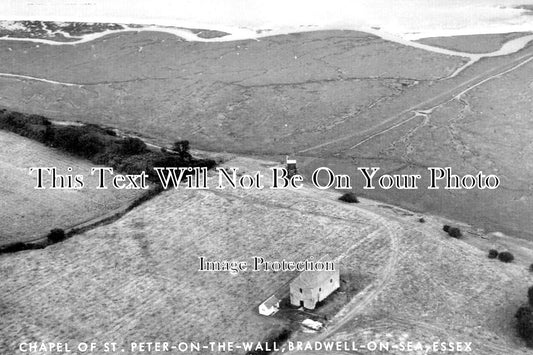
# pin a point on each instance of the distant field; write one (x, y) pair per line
(472, 43)
(138, 280)
(27, 213)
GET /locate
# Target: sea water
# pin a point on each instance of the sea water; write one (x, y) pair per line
(409, 19)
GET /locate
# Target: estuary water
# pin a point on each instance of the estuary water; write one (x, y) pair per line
(409, 19)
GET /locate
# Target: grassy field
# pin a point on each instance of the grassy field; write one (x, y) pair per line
(27, 213)
(446, 290)
(138, 280)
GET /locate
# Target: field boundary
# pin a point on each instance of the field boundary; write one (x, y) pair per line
(42, 241)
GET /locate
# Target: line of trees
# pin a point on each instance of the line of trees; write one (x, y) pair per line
(99, 145)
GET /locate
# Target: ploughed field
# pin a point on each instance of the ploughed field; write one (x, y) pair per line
(27, 213)
(138, 278)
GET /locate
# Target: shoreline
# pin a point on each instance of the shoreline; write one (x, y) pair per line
(215, 35)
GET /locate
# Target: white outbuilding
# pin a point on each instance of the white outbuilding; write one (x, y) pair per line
(270, 306)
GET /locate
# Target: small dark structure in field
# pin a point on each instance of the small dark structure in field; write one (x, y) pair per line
(349, 197)
(311, 287)
(291, 167)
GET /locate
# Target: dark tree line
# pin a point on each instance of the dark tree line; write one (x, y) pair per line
(99, 145)
(524, 317)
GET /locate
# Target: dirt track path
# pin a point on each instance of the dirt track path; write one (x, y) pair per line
(361, 301)
(369, 294)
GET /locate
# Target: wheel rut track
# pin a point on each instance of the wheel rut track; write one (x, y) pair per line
(369, 294)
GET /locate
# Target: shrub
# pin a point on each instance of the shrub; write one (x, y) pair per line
(524, 323)
(90, 144)
(455, 232)
(531, 267)
(421, 220)
(530, 295)
(452, 231)
(56, 235)
(522, 311)
(133, 146)
(182, 148)
(111, 132)
(135, 164)
(349, 197)
(68, 138)
(208, 163)
(13, 248)
(38, 120)
(505, 257)
(48, 136)
(20, 246)
(493, 254)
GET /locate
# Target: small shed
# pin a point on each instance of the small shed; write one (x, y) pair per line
(311, 287)
(291, 167)
(269, 306)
